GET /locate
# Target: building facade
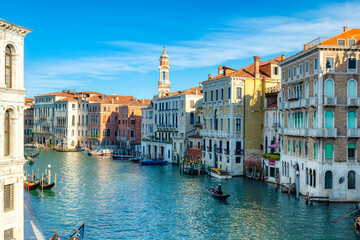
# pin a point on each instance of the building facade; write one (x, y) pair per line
(320, 132)
(233, 106)
(12, 101)
(29, 120)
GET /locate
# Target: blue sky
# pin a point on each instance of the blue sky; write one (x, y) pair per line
(114, 46)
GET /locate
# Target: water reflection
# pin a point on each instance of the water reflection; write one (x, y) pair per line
(122, 200)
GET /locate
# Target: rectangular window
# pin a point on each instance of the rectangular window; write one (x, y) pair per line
(222, 94)
(192, 103)
(198, 145)
(352, 64)
(205, 96)
(329, 63)
(307, 67)
(315, 64)
(221, 124)
(289, 74)
(301, 69)
(283, 76)
(238, 124)
(191, 145)
(351, 42)
(238, 93)
(341, 42)
(295, 72)
(229, 93)
(211, 95)
(238, 159)
(132, 121)
(276, 70)
(216, 95)
(8, 197)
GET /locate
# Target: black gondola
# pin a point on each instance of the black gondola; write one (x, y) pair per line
(34, 155)
(215, 195)
(78, 234)
(47, 185)
(356, 216)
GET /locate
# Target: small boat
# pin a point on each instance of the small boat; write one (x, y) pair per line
(78, 234)
(356, 216)
(219, 173)
(108, 152)
(47, 185)
(31, 185)
(34, 155)
(120, 156)
(216, 195)
(97, 152)
(31, 160)
(153, 162)
(69, 150)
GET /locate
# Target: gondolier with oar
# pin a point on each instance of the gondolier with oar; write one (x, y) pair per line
(55, 236)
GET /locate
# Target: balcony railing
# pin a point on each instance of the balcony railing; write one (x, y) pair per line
(215, 133)
(353, 132)
(238, 152)
(330, 101)
(313, 101)
(304, 102)
(312, 132)
(351, 159)
(353, 102)
(328, 160)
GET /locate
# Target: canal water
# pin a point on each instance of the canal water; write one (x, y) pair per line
(123, 200)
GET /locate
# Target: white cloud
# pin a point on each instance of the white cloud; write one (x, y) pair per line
(238, 39)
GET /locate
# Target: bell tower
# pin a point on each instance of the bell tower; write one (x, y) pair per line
(164, 82)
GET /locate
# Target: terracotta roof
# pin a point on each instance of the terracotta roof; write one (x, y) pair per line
(61, 94)
(29, 99)
(352, 33)
(191, 91)
(111, 99)
(248, 71)
(274, 105)
(90, 92)
(68, 99)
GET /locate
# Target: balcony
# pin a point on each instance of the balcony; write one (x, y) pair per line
(330, 101)
(353, 102)
(312, 132)
(281, 105)
(304, 102)
(215, 133)
(238, 152)
(313, 101)
(276, 125)
(353, 132)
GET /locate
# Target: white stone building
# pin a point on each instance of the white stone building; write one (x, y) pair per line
(12, 102)
(71, 122)
(174, 118)
(320, 131)
(147, 122)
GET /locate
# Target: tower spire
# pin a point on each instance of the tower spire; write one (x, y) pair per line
(164, 68)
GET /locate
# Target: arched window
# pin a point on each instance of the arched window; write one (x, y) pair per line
(289, 92)
(164, 75)
(300, 148)
(306, 120)
(351, 89)
(73, 121)
(282, 144)
(351, 152)
(306, 149)
(191, 118)
(307, 176)
(315, 88)
(266, 119)
(329, 152)
(351, 119)
(315, 119)
(329, 88)
(329, 119)
(7, 124)
(216, 120)
(72, 132)
(307, 90)
(108, 132)
(328, 180)
(351, 180)
(314, 176)
(8, 67)
(294, 147)
(289, 146)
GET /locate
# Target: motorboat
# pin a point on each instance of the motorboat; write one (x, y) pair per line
(152, 162)
(219, 173)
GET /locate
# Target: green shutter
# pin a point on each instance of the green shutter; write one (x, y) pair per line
(288, 146)
(282, 144)
(329, 88)
(329, 119)
(351, 119)
(328, 150)
(315, 150)
(351, 89)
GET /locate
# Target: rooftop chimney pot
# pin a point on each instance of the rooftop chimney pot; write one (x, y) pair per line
(220, 70)
(345, 28)
(257, 66)
(209, 76)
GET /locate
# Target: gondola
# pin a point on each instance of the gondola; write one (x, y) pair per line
(356, 216)
(218, 196)
(78, 234)
(34, 155)
(31, 185)
(47, 185)
(152, 162)
(31, 161)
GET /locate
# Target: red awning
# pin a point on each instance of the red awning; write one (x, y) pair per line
(275, 145)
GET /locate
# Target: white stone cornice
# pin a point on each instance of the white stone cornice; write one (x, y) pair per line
(10, 27)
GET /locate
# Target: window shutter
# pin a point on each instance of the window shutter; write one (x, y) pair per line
(8, 197)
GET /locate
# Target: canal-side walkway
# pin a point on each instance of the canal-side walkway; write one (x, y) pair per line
(32, 229)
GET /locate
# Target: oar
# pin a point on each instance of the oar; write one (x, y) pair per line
(346, 215)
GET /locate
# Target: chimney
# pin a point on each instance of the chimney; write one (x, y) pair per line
(209, 76)
(282, 57)
(112, 100)
(220, 70)
(256, 66)
(196, 92)
(345, 28)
